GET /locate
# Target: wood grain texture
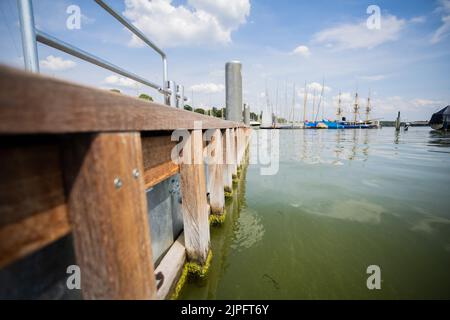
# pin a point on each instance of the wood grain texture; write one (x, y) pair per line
(28, 235)
(158, 164)
(241, 145)
(195, 206)
(31, 178)
(33, 211)
(215, 173)
(110, 225)
(171, 267)
(31, 103)
(233, 163)
(227, 159)
(160, 173)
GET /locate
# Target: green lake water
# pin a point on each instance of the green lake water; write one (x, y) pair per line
(342, 200)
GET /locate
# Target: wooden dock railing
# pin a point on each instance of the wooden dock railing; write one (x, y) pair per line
(78, 160)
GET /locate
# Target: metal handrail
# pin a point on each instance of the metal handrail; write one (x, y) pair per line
(173, 95)
(67, 48)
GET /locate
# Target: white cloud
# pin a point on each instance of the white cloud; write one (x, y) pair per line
(347, 99)
(57, 63)
(444, 5)
(201, 22)
(229, 12)
(420, 19)
(425, 102)
(121, 82)
(302, 51)
(208, 88)
(318, 87)
(444, 30)
(353, 36)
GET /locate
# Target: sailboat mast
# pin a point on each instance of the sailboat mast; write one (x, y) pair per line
(293, 105)
(339, 109)
(320, 100)
(276, 106)
(286, 108)
(356, 106)
(314, 104)
(305, 100)
(368, 107)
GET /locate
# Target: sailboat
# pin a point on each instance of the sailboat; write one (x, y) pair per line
(317, 124)
(341, 122)
(267, 116)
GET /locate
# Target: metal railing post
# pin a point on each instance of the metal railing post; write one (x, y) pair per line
(30, 36)
(172, 99)
(29, 45)
(180, 97)
(166, 86)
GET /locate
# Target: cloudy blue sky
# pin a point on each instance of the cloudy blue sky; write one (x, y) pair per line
(405, 64)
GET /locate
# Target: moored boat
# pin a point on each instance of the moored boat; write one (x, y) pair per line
(441, 119)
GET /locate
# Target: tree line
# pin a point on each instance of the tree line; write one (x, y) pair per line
(215, 112)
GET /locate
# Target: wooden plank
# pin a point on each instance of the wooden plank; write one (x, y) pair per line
(171, 267)
(158, 164)
(215, 173)
(227, 158)
(110, 225)
(33, 211)
(195, 206)
(160, 173)
(31, 234)
(31, 103)
(238, 147)
(31, 178)
(233, 144)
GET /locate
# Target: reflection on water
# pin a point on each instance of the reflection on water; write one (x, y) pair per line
(248, 230)
(341, 201)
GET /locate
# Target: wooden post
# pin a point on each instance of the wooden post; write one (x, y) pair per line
(227, 158)
(215, 172)
(233, 151)
(108, 213)
(195, 205)
(240, 146)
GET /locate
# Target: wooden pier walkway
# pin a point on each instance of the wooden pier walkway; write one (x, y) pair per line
(79, 160)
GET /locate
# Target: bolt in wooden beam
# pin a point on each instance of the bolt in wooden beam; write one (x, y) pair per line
(108, 213)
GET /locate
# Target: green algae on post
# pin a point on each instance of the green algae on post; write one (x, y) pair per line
(180, 284)
(217, 219)
(197, 271)
(228, 193)
(191, 270)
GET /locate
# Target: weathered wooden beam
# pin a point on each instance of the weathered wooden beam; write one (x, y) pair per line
(171, 267)
(195, 206)
(30, 234)
(31, 103)
(158, 165)
(215, 173)
(233, 163)
(33, 212)
(108, 213)
(240, 146)
(227, 158)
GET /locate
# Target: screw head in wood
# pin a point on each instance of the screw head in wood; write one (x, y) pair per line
(136, 173)
(118, 183)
